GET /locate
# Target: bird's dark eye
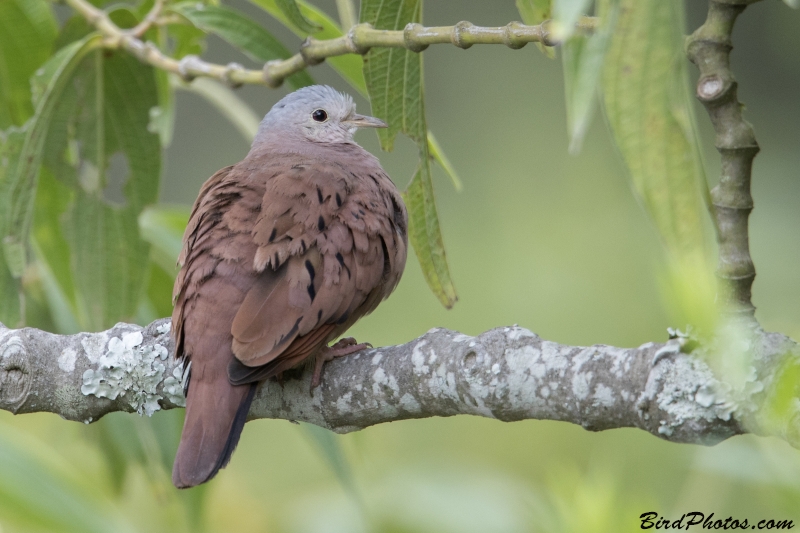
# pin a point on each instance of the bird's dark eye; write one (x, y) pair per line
(319, 115)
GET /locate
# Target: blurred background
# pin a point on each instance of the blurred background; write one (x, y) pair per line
(553, 242)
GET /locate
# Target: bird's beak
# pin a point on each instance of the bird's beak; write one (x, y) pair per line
(363, 121)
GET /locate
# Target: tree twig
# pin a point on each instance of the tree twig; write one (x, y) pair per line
(149, 19)
(358, 40)
(709, 48)
(507, 373)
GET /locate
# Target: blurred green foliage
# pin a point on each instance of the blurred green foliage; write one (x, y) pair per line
(554, 242)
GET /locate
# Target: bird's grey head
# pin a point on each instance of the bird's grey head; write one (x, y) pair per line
(317, 113)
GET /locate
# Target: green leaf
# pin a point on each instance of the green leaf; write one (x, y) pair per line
(162, 226)
(11, 142)
(426, 236)
(439, 156)
(241, 32)
(792, 3)
(100, 149)
(22, 162)
(348, 66)
(535, 12)
(52, 251)
(647, 102)
(394, 75)
(187, 40)
(162, 116)
(291, 11)
(582, 58)
(27, 32)
(394, 84)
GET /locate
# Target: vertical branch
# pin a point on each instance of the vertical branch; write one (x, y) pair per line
(709, 48)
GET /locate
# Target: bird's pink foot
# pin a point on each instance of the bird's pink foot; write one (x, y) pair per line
(326, 354)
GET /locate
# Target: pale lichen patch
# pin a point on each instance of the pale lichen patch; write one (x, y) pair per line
(343, 403)
(418, 358)
(621, 361)
(580, 384)
(94, 346)
(604, 396)
(380, 382)
(130, 370)
(581, 358)
(517, 333)
(173, 387)
(554, 357)
(66, 361)
(409, 403)
(521, 359)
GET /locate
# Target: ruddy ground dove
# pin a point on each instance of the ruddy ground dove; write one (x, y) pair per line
(284, 251)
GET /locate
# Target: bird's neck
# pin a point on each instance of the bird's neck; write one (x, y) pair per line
(272, 143)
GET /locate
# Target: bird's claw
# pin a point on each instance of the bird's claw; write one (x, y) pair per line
(343, 347)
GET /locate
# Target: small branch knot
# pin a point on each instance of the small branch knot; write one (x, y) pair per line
(712, 88)
(14, 375)
(354, 38)
(229, 70)
(187, 65)
(411, 37)
(457, 35)
(309, 59)
(546, 35)
(511, 37)
(270, 80)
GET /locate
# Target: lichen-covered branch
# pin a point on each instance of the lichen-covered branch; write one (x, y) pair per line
(507, 373)
(709, 48)
(358, 40)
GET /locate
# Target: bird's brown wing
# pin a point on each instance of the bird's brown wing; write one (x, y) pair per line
(331, 245)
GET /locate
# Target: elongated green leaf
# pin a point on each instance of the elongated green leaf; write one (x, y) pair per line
(425, 235)
(582, 58)
(52, 251)
(110, 258)
(99, 147)
(394, 75)
(11, 142)
(647, 103)
(292, 12)
(27, 32)
(163, 226)
(439, 156)
(535, 12)
(23, 170)
(162, 117)
(242, 32)
(394, 84)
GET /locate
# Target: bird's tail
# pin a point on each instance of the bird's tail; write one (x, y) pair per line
(215, 415)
